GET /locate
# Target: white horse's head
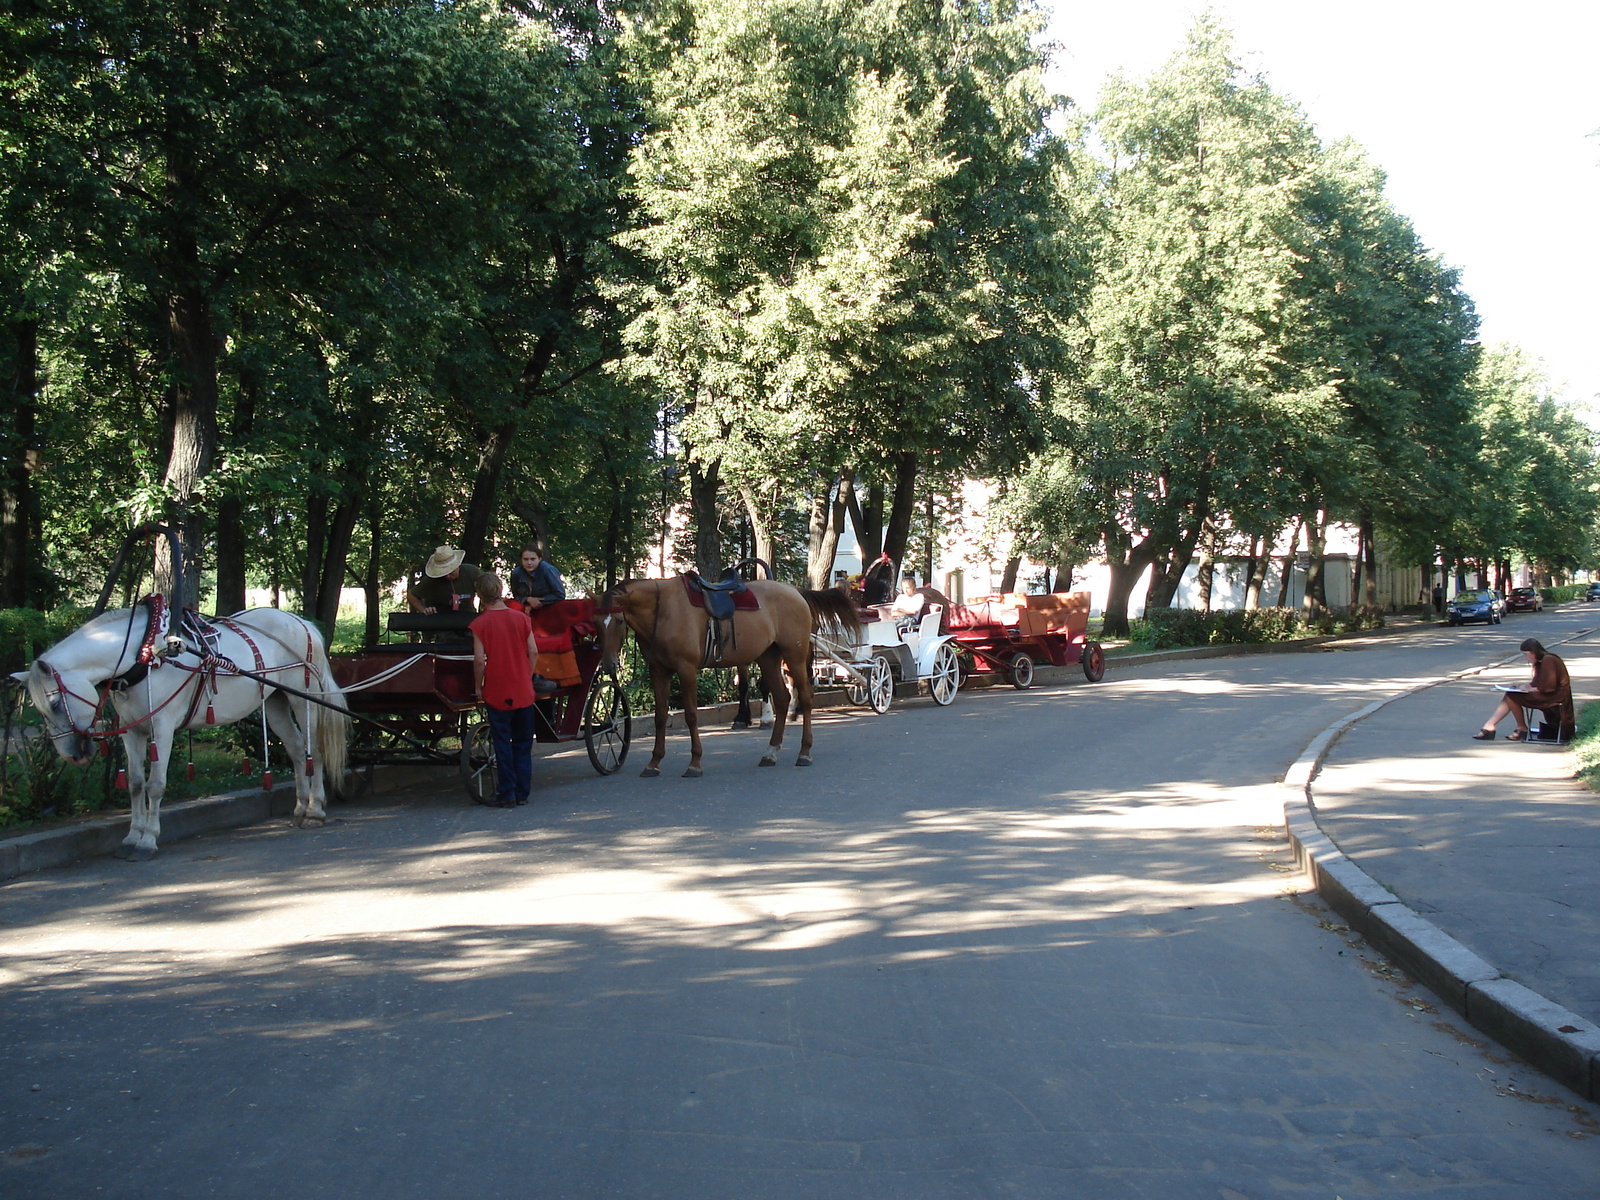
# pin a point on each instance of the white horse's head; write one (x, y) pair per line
(62, 703)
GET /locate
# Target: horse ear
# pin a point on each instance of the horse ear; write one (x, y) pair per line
(20, 676)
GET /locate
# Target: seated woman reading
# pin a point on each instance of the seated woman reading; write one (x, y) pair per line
(1549, 692)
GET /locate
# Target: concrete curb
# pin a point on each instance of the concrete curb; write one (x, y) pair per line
(1554, 1039)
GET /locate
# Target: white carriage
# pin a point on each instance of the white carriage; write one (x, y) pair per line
(886, 650)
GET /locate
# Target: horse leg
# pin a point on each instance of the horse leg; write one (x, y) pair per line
(741, 719)
(798, 660)
(772, 680)
(308, 808)
(152, 786)
(661, 683)
(690, 682)
(134, 748)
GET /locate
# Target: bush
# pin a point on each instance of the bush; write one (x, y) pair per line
(1169, 628)
(25, 632)
(1557, 595)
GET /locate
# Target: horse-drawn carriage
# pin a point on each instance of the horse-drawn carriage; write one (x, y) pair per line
(1008, 635)
(414, 701)
(886, 649)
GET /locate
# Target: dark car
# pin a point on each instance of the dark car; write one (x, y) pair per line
(1594, 591)
(1524, 600)
(1482, 605)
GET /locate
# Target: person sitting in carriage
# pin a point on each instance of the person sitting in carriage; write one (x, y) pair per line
(446, 583)
(910, 602)
(536, 582)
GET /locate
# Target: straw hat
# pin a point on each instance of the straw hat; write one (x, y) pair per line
(445, 559)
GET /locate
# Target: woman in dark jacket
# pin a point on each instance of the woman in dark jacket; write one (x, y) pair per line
(1549, 691)
(536, 582)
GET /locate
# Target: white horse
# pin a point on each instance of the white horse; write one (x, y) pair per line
(152, 695)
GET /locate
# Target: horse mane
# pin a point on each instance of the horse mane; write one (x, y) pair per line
(832, 610)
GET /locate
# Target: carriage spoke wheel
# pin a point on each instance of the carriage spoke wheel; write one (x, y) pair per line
(477, 763)
(880, 685)
(1021, 672)
(857, 693)
(946, 675)
(1094, 662)
(607, 723)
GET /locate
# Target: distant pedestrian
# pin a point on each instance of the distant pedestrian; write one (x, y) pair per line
(1438, 598)
(503, 654)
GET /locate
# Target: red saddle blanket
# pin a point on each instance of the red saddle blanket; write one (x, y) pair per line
(744, 601)
(555, 623)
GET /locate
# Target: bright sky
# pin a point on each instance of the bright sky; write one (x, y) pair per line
(1480, 113)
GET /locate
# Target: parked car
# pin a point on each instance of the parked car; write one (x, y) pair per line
(1481, 605)
(1594, 591)
(1525, 599)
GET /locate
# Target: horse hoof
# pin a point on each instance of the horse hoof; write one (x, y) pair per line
(649, 772)
(694, 773)
(770, 760)
(803, 761)
(143, 853)
(311, 822)
(124, 851)
(740, 725)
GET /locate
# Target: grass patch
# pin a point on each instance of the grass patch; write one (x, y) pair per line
(1586, 744)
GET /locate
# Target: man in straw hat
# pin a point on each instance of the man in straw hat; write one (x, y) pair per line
(446, 584)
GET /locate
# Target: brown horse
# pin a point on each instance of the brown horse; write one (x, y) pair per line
(672, 635)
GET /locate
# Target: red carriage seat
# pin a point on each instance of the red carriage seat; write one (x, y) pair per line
(555, 626)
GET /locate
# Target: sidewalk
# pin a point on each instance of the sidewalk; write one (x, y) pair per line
(1494, 845)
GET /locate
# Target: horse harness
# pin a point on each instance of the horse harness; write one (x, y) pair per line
(195, 635)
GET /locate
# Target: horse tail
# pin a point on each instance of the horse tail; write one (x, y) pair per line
(832, 610)
(333, 724)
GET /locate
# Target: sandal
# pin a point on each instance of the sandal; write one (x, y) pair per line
(1520, 735)
(1483, 735)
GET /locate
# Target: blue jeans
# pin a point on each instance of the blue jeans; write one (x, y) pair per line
(513, 753)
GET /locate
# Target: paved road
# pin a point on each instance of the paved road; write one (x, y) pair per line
(1037, 945)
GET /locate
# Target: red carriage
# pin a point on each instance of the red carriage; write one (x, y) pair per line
(1009, 635)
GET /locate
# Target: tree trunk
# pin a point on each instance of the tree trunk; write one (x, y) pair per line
(898, 535)
(316, 540)
(532, 514)
(1315, 601)
(1206, 573)
(194, 421)
(1369, 563)
(761, 542)
(1008, 581)
(231, 565)
(341, 529)
(1256, 573)
(18, 456)
(703, 498)
(1063, 579)
(829, 511)
(1124, 576)
(374, 579)
(1288, 565)
(866, 517)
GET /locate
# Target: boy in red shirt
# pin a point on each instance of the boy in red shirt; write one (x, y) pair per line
(503, 654)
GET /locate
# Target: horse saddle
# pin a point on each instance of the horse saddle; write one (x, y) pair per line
(722, 598)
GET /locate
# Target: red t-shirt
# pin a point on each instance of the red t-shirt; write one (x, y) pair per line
(507, 673)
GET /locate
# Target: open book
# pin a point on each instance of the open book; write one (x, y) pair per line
(1510, 687)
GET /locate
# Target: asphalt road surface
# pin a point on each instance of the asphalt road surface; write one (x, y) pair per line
(1038, 944)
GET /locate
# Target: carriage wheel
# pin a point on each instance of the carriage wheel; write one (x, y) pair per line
(607, 723)
(1021, 672)
(477, 763)
(880, 685)
(857, 693)
(946, 676)
(1094, 662)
